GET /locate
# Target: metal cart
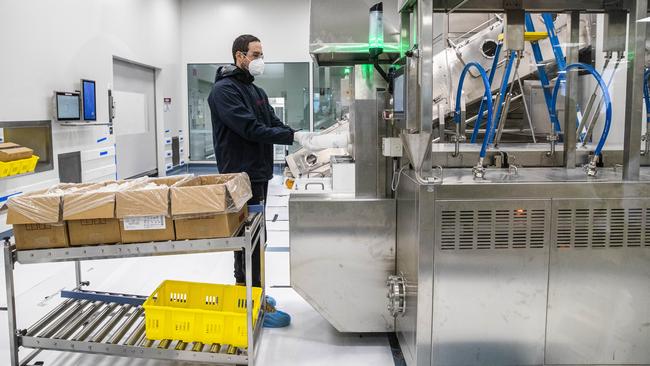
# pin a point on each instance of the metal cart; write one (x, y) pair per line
(113, 324)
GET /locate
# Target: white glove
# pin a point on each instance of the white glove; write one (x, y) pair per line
(314, 141)
(300, 137)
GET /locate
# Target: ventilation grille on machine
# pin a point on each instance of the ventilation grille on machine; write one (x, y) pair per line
(602, 227)
(493, 229)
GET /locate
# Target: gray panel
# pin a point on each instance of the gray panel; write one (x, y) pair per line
(599, 283)
(490, 286)
(342, 252)
(70, 167)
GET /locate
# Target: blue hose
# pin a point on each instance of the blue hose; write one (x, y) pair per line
(603, 88)
(502, 92)
(488, 98)
(481, 108)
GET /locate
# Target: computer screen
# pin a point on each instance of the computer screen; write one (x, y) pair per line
(67, 106)
(89, 100)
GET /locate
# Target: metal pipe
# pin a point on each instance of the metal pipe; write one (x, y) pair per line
(594, 117)
(38, 326)
(502, 120)
(77, 273)
(121, 331)
(141, 339)
(506, 107)
(197, 347)
(92, 326)
(139, 330)
(530, 120)
(147, 343)
(103, 332)
(635, 59)
(32, 355)
(66, 317)
(164, 344)
(592, 99)
(69, 329)
(11, 302)
(571, 97)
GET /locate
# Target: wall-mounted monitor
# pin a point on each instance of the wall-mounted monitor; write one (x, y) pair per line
(88, 97)
(68, 106)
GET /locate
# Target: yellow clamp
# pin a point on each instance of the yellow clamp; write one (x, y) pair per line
(529, 36)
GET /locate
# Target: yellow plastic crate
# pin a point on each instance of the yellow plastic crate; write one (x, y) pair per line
(27, 165)
(5, 169)
(199, 312)
(15, 167)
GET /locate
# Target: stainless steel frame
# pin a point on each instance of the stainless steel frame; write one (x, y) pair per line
(544, 266)
(116, 328)
(342, 250)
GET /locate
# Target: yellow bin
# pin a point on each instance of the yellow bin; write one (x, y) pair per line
(199, 312)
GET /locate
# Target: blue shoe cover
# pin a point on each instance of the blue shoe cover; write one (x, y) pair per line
(270, 301)
(277, 319)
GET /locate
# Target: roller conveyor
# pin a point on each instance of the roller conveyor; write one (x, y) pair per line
(113, 323)
(118, 330)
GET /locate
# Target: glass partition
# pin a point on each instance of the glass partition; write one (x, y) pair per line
(328, 104)
(286, 84)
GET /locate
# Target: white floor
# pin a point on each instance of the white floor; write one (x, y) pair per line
(310, 340)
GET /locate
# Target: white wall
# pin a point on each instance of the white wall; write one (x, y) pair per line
(50, 45)
(208, 28)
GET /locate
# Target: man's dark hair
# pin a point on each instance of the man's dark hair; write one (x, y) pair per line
(241, 44)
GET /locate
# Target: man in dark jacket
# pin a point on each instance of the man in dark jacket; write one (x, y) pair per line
(245, 127)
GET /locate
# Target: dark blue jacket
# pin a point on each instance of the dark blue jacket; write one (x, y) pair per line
(244, 125)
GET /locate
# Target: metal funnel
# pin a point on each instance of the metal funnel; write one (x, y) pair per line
(417, 147)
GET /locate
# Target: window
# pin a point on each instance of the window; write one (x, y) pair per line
(329, 106)
(286, 84)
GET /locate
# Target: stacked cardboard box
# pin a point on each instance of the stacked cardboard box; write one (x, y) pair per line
(90, 213)
(36, 218)
(141, 210)
(10, 151)
(210, 206)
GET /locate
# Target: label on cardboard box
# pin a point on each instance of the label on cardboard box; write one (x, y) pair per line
(144, 222)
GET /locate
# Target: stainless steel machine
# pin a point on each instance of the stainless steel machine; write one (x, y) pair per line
(529, 253)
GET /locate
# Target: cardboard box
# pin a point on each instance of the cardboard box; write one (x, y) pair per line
(90, 215)
(144, 214)
(15, 153)
(210, 206)
(164, 230)
(40, 236)
(8, 145)
(216, 226)
(210, 195)
(94, 231)
(36, 220)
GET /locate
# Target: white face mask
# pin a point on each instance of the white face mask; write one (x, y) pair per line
(256, 67)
